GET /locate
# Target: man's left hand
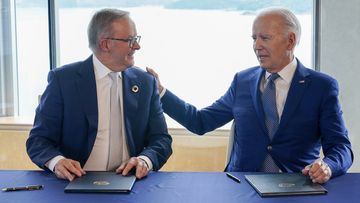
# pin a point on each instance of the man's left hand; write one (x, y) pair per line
(141, 167)
(318, 171)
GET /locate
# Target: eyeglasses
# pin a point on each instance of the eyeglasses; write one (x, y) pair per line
(131, 41)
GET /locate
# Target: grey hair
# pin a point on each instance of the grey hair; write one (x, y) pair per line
(290, 20)
(101, 24)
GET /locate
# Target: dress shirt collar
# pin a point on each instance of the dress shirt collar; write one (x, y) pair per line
(101, 70)
(286, 73)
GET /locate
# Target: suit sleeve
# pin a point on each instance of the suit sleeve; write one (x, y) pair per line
(200, 121)
(334, 136)
(43, 142)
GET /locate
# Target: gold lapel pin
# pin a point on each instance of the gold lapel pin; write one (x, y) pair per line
(135, 88)
(301, 81)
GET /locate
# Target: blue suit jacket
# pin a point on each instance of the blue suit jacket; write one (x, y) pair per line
(311, 118)
(66, 120)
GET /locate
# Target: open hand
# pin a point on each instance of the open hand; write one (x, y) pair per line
(68, 169)
(140, 166)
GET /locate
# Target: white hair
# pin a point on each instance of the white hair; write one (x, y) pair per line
(290, 20)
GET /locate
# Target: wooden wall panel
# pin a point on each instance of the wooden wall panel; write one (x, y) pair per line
(13, 151)
(190, 152)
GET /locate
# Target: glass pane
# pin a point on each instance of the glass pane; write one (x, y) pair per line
(195, 46)
(7, 59)
(33, 53)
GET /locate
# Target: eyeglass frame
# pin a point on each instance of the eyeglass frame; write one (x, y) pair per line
(131, 41)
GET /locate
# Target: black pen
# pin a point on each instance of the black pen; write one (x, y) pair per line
(29, 187)
(233, 177)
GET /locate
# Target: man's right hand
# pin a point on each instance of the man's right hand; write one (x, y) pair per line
(68, 169)
(152, 72)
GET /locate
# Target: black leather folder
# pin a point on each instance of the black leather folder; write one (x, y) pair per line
(281, 184)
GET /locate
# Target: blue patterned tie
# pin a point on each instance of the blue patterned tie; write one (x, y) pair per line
(271, 119)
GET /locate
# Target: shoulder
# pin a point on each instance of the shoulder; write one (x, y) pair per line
(315, 80)
(317, 76)
(248, 73)
(74, 67)
(83, 68)
(321, 76)
(136, 72)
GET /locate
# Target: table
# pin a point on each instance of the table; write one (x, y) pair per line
(171, 187)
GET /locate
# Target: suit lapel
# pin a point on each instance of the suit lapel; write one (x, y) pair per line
(86, 86)
(255, 82)
(298, 86)
(131, 92)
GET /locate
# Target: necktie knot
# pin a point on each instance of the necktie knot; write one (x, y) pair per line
(273, 77)
(114, 76)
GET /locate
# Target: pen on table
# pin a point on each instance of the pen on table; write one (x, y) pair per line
(233, 177)
(29, 187)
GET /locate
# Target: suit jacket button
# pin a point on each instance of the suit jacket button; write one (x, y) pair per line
(269, 148)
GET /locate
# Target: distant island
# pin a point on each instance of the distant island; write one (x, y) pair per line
(244, 6)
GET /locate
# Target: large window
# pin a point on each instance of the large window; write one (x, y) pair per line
(32, 53)
(195, 46)
(24, 55)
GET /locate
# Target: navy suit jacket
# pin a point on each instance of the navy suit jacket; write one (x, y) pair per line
(312, 118)
(66, 121)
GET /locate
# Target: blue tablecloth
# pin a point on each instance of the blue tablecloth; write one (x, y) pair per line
(171, 187)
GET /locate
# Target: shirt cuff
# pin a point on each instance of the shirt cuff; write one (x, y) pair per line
(147, 160)
(162, 92)
(51, 164)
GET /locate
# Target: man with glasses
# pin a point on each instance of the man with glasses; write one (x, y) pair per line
(283, 112)
(101, 114)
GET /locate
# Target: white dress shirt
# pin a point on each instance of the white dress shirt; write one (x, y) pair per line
(100, 153)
